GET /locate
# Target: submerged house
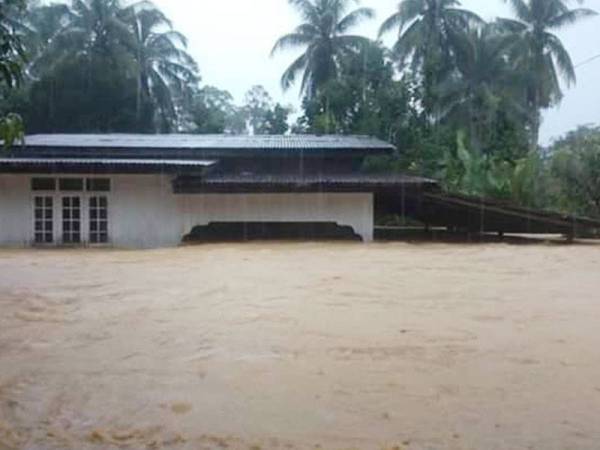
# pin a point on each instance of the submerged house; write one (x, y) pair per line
(154, 190)
(145, 191)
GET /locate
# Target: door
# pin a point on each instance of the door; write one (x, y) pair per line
(71, 220)
(98, 219)
(43, 219)
(70, 211)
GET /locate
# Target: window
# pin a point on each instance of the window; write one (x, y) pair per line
(43, 184)
(80, 216)
(43, 220)
(70, 184)
(98, 185)
(98, 220)
(71, 220)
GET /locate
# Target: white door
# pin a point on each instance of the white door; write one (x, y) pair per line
(70, 211)
(43, 220)
(71, 220)
(98, 219)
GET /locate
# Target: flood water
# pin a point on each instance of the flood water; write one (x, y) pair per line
(311, 345)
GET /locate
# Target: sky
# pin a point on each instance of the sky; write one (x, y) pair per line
(232, 41)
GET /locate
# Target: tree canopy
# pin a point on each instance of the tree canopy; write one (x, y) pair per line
(460, 98)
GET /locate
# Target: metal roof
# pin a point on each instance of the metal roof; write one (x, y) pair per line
(316, 178)
(206, 142)
(358, 182)
(83, 165)
(91, 161)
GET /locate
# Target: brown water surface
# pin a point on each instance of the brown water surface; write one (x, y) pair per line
(331, 346)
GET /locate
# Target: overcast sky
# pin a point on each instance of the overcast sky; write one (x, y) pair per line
(232, 40)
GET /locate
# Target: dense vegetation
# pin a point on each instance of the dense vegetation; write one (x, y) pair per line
(461, 99)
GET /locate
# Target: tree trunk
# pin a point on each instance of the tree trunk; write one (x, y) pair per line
(138, 100)
(536, 122)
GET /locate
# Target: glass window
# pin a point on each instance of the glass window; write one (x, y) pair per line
(43, 220)
(71, 222)
(98, 220)
(43, 184)
(98, 185)
(70, 184)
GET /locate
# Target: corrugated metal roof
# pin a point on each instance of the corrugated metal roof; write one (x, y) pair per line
(215, 183)
(388, 179)
(206, 142)
(103, 161)
(102, 165)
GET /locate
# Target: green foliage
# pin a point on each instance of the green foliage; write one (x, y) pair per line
(576, 166)
(540, 53)
(212, 111)
(12, 51)
(263, 116)
(98, 65)
(460, 99)
(84, 96)
(276, 120)
(427, 34)
(12, 60)
(325, 40)
(483, 94)
(166, 72)
(11, 129)
(364, 99)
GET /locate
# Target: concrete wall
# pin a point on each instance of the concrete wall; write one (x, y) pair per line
(16, 211)
(144, 213)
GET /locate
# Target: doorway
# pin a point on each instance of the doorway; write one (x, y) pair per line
(70, 211)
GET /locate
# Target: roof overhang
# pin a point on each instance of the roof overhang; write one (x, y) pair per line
(182, 146)
(103, 165)
(355, 183)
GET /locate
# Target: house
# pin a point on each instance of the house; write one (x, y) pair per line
(147, 191)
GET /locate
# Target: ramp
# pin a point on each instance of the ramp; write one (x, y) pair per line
(484, 215)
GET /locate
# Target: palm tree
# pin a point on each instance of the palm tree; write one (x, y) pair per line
(541, 53)
(324, 38)
(486, 82)
(12, 51)
(136, 41)
(95, 28)
(12, 61)
(427, 32)
(41, 26)
(165, 69)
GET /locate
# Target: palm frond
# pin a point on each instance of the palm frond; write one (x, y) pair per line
(289, 76)
(354, 18)
(288, 41)
(562, 58)
(570, 17)
(391, 23)
(521, 9)
(464, 17)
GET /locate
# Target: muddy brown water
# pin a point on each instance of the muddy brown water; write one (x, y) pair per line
(314, 345)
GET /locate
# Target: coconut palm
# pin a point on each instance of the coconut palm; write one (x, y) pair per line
(324, 38)
(486, 82)
(541, 53)
(427, 31)
(12, 51)
(165, 69)
(95, 28)
(41, 25)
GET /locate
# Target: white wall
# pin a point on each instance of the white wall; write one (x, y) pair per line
(16, 213)
(355, 210)
(144, 212)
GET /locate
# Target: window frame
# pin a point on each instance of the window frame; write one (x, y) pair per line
(62, 180)
(42, 179)
(85, 197)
